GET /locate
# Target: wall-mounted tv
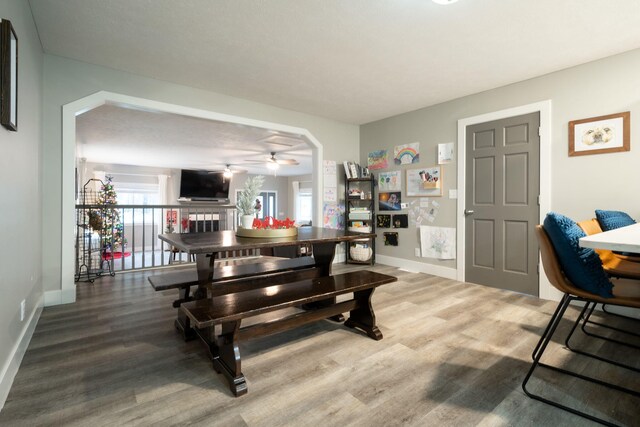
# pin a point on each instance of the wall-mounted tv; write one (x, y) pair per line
(204, 185)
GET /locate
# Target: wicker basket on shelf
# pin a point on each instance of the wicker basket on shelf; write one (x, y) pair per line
(359, 253)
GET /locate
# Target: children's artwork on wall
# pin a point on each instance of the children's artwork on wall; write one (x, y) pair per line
(406, 154)
(438, 242)
(400, 221)
(389, 201)
(445, 153)
(383, 221)
(391, 239)
(390, 181)
(333, 216)
(424, 182)
(378, 160)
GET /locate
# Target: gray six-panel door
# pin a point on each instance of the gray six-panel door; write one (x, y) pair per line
(501, 203)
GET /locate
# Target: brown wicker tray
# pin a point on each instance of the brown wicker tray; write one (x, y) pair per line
(266, 232)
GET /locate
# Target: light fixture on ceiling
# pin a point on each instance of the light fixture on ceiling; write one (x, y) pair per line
(273, 166)
(227, 172)
(444, 2)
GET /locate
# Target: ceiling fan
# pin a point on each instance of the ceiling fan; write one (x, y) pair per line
(274, 163)
(227, 172)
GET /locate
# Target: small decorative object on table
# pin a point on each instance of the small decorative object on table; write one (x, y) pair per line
(269, 227)
(246, 203)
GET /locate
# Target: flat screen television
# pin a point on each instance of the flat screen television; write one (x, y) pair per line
(204, 185)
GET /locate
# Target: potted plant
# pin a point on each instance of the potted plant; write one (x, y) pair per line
(246, 200)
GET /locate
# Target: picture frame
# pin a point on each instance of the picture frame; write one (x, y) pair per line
(424, 182)
(602, 134)
(8, 76)
(391, 201)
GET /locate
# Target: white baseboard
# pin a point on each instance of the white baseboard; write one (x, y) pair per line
(10, 369)
(60, 296)
(419, 267)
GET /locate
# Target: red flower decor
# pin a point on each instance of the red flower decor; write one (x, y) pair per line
(271, 223)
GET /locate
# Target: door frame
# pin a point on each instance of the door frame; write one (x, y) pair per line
(545, 289)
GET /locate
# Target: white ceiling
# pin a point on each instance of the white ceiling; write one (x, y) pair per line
(352, 60)
(113, 134)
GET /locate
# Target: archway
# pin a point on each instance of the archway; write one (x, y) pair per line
(72, 110)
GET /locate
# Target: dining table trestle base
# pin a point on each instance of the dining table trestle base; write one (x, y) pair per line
(229, 311)
(282, 283)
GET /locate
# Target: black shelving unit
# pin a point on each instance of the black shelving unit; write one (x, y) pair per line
(90, 238)
(360, 214)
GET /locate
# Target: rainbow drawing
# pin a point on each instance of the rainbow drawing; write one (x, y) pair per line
(377, 160)
(406, 154)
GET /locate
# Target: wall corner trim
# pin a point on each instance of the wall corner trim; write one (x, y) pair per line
(59, 296)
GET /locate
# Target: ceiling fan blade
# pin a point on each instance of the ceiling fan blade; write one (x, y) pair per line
(289, 162)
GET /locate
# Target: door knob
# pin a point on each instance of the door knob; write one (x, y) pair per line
(468, 212)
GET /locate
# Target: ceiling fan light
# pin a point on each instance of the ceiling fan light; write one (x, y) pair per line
(273, 166)
(227, 173)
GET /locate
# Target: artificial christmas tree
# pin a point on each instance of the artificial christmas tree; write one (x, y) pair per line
(112, 226)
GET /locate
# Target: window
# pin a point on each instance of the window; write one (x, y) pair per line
(136, 194)
(303, 208)
(303, 202)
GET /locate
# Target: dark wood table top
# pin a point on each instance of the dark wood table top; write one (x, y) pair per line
(217, 241)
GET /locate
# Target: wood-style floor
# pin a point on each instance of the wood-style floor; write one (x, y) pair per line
(453, 354)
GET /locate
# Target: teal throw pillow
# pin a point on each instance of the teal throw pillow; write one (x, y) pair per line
(582, 266)
(610, 220)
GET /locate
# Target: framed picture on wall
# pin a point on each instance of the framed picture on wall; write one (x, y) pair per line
(8, 76)
(424, 182)
(603, 134)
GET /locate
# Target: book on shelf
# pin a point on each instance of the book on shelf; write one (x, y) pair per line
(347, 172)
(353, 168)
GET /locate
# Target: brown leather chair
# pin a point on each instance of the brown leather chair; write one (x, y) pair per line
(615, 265)
(626, 293)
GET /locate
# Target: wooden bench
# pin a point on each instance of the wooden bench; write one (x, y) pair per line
(317, 295)
(184, 279)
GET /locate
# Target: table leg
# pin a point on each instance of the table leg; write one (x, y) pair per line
(363, 317)
(323, 254)
(228, 361)
(204, 265)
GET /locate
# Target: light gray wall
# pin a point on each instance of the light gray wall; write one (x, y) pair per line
(21, 203)
(66, 81)
(579, 184)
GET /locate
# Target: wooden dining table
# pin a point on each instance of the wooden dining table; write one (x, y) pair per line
(623, 239)
(206, 246)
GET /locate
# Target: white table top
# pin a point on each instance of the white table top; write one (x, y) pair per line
(624, 239)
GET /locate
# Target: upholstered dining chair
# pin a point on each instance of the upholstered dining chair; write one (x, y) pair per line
(624, 293)
(611, 220)
(613, 264)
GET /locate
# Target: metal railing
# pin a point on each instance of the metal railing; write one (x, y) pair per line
(138, 232)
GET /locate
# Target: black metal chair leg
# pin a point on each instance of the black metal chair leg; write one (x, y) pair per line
(584, 318)
(624, 331)
(546, 331)
(542, 345)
